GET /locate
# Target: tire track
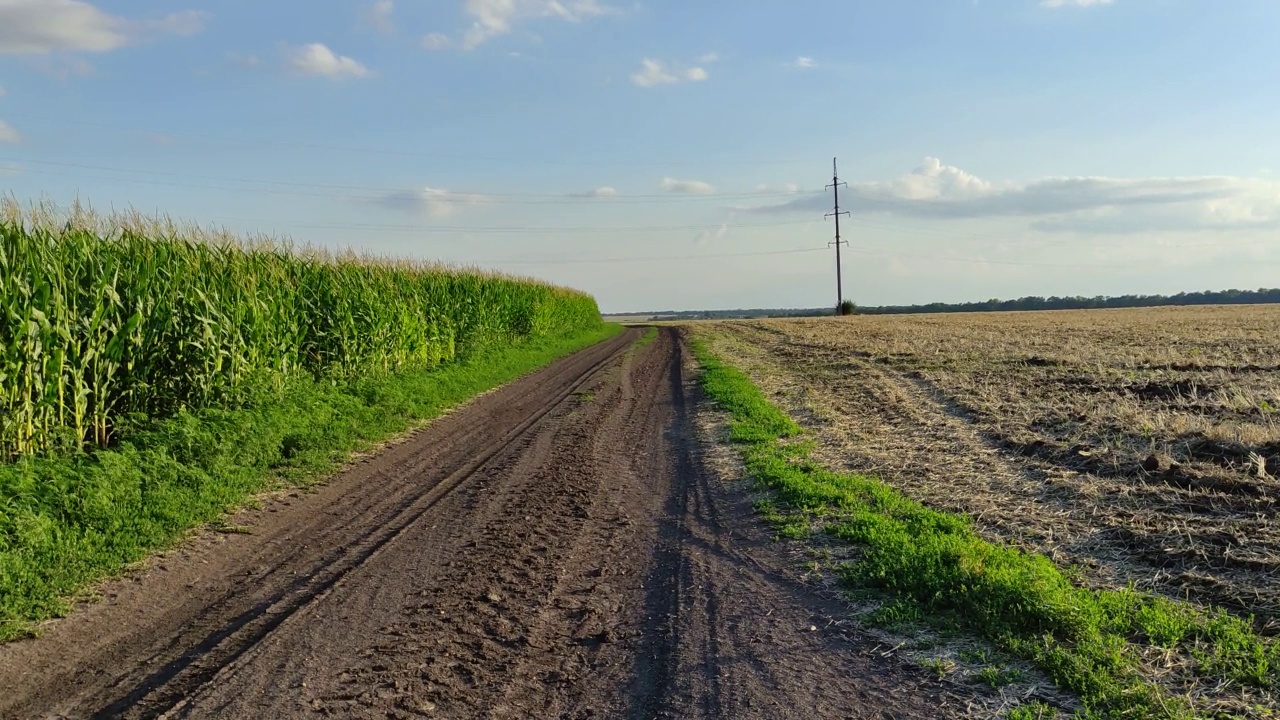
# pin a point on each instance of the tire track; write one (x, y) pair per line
(556, 549)
(289, 574)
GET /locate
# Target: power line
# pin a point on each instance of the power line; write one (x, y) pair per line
(381, 151)
(515, 229)
(980, 261)
(373, 192)
(664, 258)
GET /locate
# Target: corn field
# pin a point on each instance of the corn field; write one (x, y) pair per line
(106, 319)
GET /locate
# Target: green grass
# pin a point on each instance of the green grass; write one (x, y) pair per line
(68, 521)
(933, 565)
(996, 676)
(1032, 711)
(649, 336)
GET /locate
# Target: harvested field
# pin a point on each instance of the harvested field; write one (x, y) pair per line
(1139, 446)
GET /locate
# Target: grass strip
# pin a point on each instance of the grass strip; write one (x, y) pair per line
(1089, 641)
(66, 522)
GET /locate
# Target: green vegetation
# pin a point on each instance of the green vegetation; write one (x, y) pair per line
(68, 521)
(649, 336)
(102, 322)
(150, 381)
(933, 565)
(1032, 711)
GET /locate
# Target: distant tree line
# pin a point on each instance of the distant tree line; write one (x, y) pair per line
(1032, 302)
(1207, 297)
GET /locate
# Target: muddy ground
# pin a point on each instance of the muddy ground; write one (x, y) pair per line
(556, 548)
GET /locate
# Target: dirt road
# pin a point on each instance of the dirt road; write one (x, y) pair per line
(553, 549)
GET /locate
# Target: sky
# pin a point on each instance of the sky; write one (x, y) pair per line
(667, 154)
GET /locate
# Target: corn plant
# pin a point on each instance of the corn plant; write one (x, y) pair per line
(103, 318)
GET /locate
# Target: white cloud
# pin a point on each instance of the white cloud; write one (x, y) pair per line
(432, 202)
(40, 26)
(436, 41)
(378, 16)
(654, 72)
(600, 192)
(1072, 3)
(803, 63)
(8, 134)
(36, 27)
(491, 18)
(708, 58)
(686, 187)
(317, 59)
(1063, 204)
(784, 189)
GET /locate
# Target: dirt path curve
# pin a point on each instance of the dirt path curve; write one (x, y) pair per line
(553, 549)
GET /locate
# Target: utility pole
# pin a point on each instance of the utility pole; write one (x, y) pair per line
(835, 189)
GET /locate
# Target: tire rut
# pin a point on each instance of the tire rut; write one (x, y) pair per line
(292, 565)
(557, 548)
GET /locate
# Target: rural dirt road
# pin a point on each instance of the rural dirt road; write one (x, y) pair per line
(553, 549)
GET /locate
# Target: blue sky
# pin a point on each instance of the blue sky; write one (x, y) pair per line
(665, 154)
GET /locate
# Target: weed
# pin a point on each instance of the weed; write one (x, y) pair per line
(896, 614)
(996, 676)
(1032, 711)
(940, 666)
(980, 656)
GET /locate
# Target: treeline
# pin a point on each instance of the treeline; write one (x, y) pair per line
(1078, 302)
(1207, 297)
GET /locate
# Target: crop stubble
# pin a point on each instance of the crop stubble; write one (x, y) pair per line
(1142, 446)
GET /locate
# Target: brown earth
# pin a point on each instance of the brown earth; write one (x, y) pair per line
(1065, 433)
(556, 548)
(1115, 443)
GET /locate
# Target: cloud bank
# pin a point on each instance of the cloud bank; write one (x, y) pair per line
(38, 27)
(431, 202)
(935, 191)
(492, 18)
(686, 187)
